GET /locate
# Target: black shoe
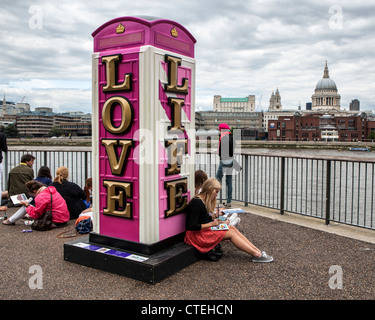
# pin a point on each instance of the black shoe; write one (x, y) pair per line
(218, 251)
(210, 255)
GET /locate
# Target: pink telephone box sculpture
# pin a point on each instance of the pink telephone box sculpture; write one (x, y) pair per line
(143, 128)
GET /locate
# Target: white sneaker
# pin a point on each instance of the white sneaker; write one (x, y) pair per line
(233, 219)
(263, 258)
(234, 222)
(233, 216)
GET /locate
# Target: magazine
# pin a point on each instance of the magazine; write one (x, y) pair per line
(16, 199)
(228, 212)
(220, 227)
(237, 210)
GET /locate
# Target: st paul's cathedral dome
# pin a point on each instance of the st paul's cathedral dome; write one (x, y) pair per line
(326, 96)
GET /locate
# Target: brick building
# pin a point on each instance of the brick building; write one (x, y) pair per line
(321, 127)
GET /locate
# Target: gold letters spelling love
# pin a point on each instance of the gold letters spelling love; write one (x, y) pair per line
(119, 191)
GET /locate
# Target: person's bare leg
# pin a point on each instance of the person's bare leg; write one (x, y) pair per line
(240, 242)
(244, 238)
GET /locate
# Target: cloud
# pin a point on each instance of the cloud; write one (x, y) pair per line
(243, 47)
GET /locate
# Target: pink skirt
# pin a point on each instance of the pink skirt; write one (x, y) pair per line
(204, 240)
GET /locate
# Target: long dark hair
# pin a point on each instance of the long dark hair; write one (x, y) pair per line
(87, 187)
(45, 171)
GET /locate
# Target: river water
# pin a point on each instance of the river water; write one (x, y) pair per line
(314, 153)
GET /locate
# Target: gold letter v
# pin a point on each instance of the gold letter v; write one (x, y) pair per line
(117, 163)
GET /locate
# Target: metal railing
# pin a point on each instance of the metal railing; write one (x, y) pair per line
(340, 190)
(76, 159)
(326, 188)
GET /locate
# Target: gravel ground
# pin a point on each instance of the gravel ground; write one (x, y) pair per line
(300, 271)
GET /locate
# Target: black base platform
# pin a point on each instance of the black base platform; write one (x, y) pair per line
(149, 263)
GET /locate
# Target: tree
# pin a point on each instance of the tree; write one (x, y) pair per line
(371, 135)
(11, 131)
(55, 132)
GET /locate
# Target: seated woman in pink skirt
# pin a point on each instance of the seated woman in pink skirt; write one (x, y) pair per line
(199, 222)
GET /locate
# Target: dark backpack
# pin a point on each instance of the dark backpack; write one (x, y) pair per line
(84, 226)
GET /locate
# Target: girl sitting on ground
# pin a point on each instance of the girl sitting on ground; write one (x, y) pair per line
(199, 222)
(70, 191)
(87, 190)
(200, 178)
(42, 194)
(44, 175)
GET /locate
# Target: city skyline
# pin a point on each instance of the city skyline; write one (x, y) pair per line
(243, 48)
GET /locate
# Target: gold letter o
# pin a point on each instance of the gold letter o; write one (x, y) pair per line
(126, 112)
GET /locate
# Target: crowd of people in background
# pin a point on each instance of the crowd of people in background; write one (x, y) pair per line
(64, 198)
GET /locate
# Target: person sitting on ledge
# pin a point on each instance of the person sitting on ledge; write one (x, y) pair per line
(42, 194)
(199, 222)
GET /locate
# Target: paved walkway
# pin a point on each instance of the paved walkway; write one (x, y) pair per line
(304, 257)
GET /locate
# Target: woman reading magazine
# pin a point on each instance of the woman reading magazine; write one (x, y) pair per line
(199, 225)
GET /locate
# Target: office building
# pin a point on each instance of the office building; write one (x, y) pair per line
(234, 104)
(354, 105)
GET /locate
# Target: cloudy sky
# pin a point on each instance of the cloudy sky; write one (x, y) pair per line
(243, 47)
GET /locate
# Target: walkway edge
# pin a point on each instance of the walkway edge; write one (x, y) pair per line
(341, 229)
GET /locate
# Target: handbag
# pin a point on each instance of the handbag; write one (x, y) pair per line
(227, 162)
(236, 165)
(44, 223)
